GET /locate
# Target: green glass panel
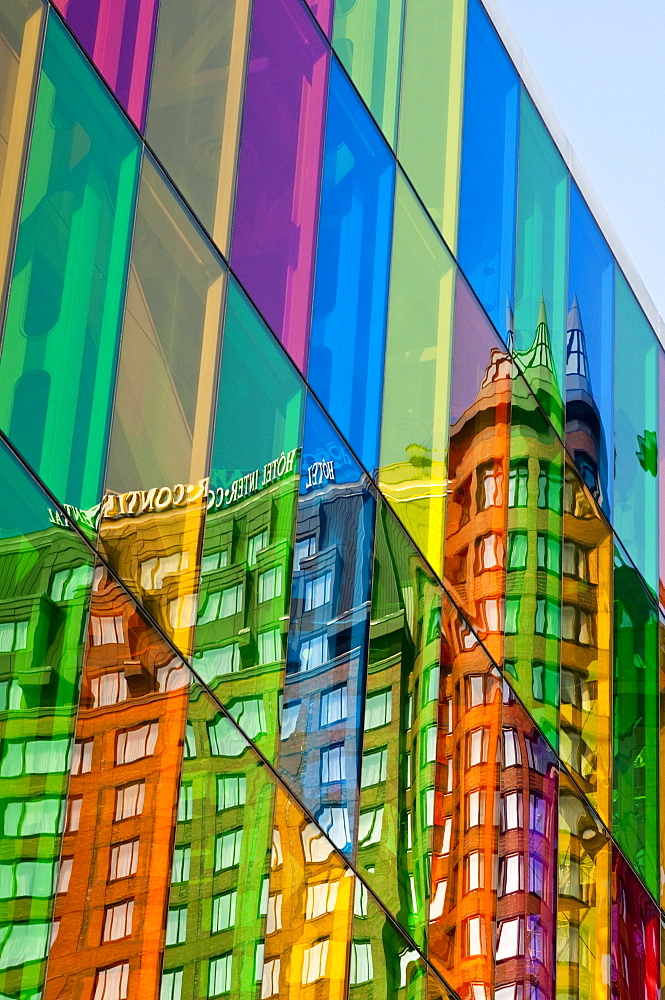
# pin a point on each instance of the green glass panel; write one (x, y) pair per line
(414, 428)
(20, 37)
(541, 262)
(58, 362)
(430, 113)
(243, 612)
(399, 742)
(533, 572)
(635, 721)
(221, 862)
(195, 103)
(45, 581)
(635, 433)
(367, 37)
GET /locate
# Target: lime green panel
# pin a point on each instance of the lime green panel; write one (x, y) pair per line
(58, 362)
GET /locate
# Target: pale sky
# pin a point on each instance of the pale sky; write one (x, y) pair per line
(601, 65)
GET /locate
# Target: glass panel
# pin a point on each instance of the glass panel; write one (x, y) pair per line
(533, 574)
(661, 472)
(59, 356)
(527, 885)
(353, 257)
(414, 429)
(277, 200)
(541, 262)
(309, 909)
(124, 776)
(399, 743)
(20, 37)
(327, 647)
(635, 936)
(195, 100)
(469, 748)
(248, 549)
(45, 580)
(153, 515)
(367, 37)
(590, 352)
(430, 110)
(220, 862)
(118, 35)
(585, 883)
(635, 433)
(488, 192)
(635, 722)
(323, 12)
(478, 473)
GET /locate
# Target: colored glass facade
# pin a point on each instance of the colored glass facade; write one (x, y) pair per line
(332, 519)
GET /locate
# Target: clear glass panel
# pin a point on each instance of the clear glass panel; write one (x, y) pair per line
(590, 352)
(20, 37)
(321, 739)
(414, 430)
(195, 103)
(488, 191)
(585, 887)
(353, 258)
(541, 263)
(635, 936)
(45, 580)
(367, 37)
(118, 35)
(397, 774)
(243, 615)
(470, 746)
(635, 721)
(430, 110)
(477, 542)
(58, 362)
(156, 483)
(279, 170)
(635, 433)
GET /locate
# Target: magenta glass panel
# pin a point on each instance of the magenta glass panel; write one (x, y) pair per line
(323, 12)
(279, 171)
(635, 936)
(661, 473)
(118, 35)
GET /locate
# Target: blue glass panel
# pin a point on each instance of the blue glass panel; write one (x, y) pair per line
(351, 292)
(590, 351)
(327, 648)
(486, 243)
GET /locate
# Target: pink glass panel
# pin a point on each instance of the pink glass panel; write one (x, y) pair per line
(118, 35)
(279, 170)
(635, 936)
(323, 12)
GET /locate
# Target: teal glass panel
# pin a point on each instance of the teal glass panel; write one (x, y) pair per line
(57, 368)
(397, 773)
(240, 647)
(635, 433)
(45, 581)
(541, 259)
(635, 820)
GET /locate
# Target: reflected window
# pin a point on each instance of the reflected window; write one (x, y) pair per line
(74, 813)
(547, 618)
(41, 756)
(549, 552)
(118, 921)
(490, 486)
(215, 560)
(511, 877)
(111, 983)
(475, 808)
(217, 662)
(537, 950)
(134, 744)
(321, 898)
(550, 484)
(577, 625)
(475, 690)
(182, 856)
(155, 570)
(517, 550)
(473, 871)
(13, 636)
(124, 860)
(255, 544)
(109, 689)
(190, 742)
(270, 584)
(362, 967)
(575, 560)
(489, 552)
(227, 849)
(221, 604)
(318, 591)
(107, 630)
(518, 484)
(305, 547)
(176, 925)
(274, 913)
(429, 743)
(512, 753)
(314, 652)
(489, 614)
(185, 802)
(474, 943)
(314, 962)
(510, 939)
(64, 875)
(333, 764)
(65, 583)
(511, 811)
(223, 911)
(375, 765)
(231, 791)
(219, 975)
(32, 818)
(334, 820)
(537, 813)
(290, 715)
(378, 709)
(333, 705)
(171, 988)
(512, 615)
(536, 875)
(477, 745)
(361, 898)
(269, 646)
(270, 978)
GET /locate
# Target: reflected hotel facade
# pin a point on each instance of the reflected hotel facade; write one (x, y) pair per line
(332, 581)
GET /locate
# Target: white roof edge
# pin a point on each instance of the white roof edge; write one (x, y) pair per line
(571, 160)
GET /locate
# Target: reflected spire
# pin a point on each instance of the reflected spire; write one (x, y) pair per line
(539, 355)
(510, 325)
(577, 362)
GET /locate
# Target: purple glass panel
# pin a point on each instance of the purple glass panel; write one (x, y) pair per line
(279, 171)
(118, 35)
(323, 12)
